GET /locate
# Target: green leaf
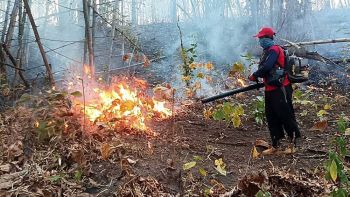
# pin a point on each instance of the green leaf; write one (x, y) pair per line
(237, 68)
(321, 113)
(189, 165)
(202, 171)
(239, 110)
(228, 108)
(339, 192)
(219, 114)
(342, 145)
(333, 171)
(341, 125)
(55, 178)
(236, 120)
(78, 175)
(197, 158)
(76, 94)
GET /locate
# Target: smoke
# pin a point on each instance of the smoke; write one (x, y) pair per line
(222, 35)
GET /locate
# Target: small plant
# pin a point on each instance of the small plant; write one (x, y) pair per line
(262, 193)
(78, 175)
(334, 166)
(197, 161)
(230, 113)
(188, 57)
(259, 110)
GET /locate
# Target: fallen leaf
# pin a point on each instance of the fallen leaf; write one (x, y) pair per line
(321, 113)
(255, 153)
(289, 150)
(16, 149)
(202, 171)
(130, 161)
(320, 126)
(269, 151)
(105, 151)
(327, 107)
(208, 113)
(262, 143)
(347, 131)
(189, 165)
(220, 166)
(5, 168)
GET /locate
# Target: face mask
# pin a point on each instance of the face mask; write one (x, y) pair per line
(266, 42)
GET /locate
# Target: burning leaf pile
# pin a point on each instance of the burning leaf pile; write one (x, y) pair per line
(124, 105)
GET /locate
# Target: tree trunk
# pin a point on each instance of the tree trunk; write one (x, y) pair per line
(21, 21)
(113, 34)
(14, 62)
(272, 14)
(93, 28)
(47, 7)
(133, 12)
(173, 11)
(88, 38)
(37, 37)
(5, 21)
(12, 24)
(3, 72)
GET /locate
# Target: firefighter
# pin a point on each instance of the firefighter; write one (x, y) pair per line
(279, 109)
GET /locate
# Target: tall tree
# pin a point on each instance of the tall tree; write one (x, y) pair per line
(134, 12)
(37, 38)
(173, 11)
(12, 24)
(4, 29)
(88, 34)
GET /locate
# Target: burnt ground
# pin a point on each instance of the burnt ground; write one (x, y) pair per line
(71, 163)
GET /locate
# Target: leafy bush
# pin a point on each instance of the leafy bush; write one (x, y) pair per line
(334, 166)
(259, 110)
(229, 113)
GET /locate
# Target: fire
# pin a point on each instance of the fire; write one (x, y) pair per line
(241, 82)
(36, 124)
(163, 111)
(124, 106)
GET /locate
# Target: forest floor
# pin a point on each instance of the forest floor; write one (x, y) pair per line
(106, 163)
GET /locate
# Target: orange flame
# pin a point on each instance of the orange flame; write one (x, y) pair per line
(241, 82)
(123, 106)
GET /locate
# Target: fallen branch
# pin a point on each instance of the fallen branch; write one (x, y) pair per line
(231, 144)
(291, 43)
(14, 62)
(317, 42)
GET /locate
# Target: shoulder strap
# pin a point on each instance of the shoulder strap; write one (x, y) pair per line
(279, 53)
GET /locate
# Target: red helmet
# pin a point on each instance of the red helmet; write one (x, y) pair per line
(265, 31)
